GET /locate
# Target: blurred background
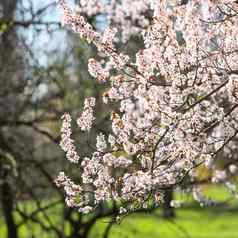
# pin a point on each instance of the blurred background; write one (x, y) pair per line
(43, 73)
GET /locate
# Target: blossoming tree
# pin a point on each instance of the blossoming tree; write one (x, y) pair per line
(176, 101)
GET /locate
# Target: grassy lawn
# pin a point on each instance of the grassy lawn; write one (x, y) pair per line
(191, 221)
(196, 223)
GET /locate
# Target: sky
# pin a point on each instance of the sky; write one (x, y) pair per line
(38, 36)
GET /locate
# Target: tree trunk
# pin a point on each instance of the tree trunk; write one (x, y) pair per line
(168, 210)
(7, 207)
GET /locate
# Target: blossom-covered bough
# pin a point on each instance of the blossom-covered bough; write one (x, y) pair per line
(177, 101)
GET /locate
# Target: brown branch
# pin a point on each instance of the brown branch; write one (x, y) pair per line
(29, 23)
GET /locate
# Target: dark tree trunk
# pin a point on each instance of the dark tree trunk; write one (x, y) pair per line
(168, 210)
(7, 207)
(8, 60)
(81, 230)
(78, 229)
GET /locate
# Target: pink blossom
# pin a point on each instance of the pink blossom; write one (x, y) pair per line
(86, 119)
(96, 70)
(175, 99)
(66, 143)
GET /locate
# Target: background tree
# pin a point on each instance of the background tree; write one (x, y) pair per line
(35, 92)
(40, 81)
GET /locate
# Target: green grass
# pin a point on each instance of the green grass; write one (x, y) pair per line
(196, 223)
(191, 221)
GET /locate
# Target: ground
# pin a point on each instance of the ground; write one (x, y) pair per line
(192, 221)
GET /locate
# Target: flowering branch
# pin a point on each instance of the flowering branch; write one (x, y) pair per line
(161, 125)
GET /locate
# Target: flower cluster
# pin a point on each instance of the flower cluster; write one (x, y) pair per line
(66, 143)
(101, 143)
(95, 69)
(72, 190)
(86, 119)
